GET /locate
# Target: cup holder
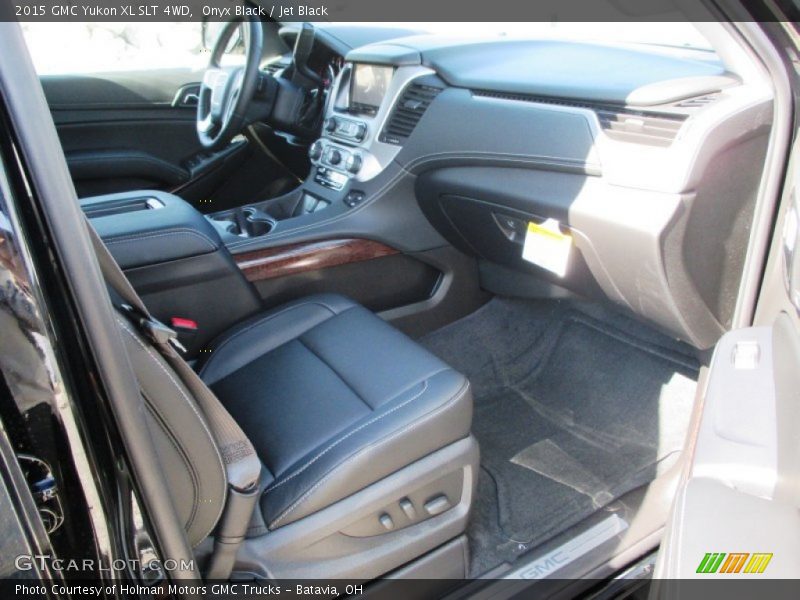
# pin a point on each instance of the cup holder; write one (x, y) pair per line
(249, 222)
(228, 222)
(256, 222)
(258, 227)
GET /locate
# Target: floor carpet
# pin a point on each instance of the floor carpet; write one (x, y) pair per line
(574, 406)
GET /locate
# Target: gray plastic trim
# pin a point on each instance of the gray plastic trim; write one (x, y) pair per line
(376, 155)
(618, 73)
(386, 54)
(745, 467)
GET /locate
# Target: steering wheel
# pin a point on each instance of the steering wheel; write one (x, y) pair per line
(226, 92)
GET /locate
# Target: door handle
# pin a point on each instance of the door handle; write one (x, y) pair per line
(187, 97)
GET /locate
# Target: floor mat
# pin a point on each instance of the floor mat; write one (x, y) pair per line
(574, 406)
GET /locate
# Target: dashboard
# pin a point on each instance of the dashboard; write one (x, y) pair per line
(632, 151)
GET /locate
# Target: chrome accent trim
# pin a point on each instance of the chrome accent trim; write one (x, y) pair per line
(376, 155)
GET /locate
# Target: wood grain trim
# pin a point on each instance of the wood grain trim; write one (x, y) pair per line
(270, 263)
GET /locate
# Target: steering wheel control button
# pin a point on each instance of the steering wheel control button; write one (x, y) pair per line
(354, 198)
(437, 505)
(353, 163)
(386, 521)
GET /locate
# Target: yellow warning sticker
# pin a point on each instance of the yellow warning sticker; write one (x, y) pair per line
(547, 247)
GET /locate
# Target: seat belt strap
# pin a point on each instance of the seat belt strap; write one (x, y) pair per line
(242, 465)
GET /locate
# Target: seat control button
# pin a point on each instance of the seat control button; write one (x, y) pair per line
(386, 521)
(408, 508)
(437, 505)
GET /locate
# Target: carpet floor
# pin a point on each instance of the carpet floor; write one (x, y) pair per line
(575, 405)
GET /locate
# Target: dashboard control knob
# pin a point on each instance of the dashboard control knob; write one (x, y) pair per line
(335, 157)
(361, 132)
(330, 125)
(353, 163)
(315, 150)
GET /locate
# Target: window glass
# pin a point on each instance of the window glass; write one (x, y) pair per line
(66, 48)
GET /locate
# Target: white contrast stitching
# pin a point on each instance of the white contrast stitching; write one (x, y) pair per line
(193, 407)
(260, 321)
(330, 473)
(164, 233)
(343, 438)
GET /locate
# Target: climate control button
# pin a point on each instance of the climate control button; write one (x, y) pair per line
(315, 150)
(353, 163)
(334, 157)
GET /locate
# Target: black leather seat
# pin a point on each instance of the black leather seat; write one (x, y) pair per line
(333, 399)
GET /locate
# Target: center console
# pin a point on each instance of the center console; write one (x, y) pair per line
(193, 268)
(368, 110)
(176, 261)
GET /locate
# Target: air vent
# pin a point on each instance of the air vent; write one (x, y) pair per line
(698, 102)
(640, 128)
(623, 124)
(409, 109)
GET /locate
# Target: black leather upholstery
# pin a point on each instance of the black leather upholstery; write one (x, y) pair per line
(146, 237)
(333, 399)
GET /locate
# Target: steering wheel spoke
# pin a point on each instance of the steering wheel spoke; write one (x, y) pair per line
(225, 93)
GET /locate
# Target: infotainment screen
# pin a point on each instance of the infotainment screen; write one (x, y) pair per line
(369, 85)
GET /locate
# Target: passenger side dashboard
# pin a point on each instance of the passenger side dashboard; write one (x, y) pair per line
(651, 162)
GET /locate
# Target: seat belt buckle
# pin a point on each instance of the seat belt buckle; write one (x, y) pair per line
(155, 330)
(183, 324)
(187, 330)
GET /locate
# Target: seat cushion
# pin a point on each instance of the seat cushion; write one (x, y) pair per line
(334, 399)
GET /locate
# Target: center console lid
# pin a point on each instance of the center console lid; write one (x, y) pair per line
(149, 227)
(174, 258)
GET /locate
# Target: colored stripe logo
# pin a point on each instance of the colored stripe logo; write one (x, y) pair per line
(734, 562)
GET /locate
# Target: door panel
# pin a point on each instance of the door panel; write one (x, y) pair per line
(735, 514)
(123, 131)
(136, 130)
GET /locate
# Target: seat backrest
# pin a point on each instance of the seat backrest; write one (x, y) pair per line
(189, 455)
(206, 457)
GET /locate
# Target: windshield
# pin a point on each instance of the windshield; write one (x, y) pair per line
(679, 34)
